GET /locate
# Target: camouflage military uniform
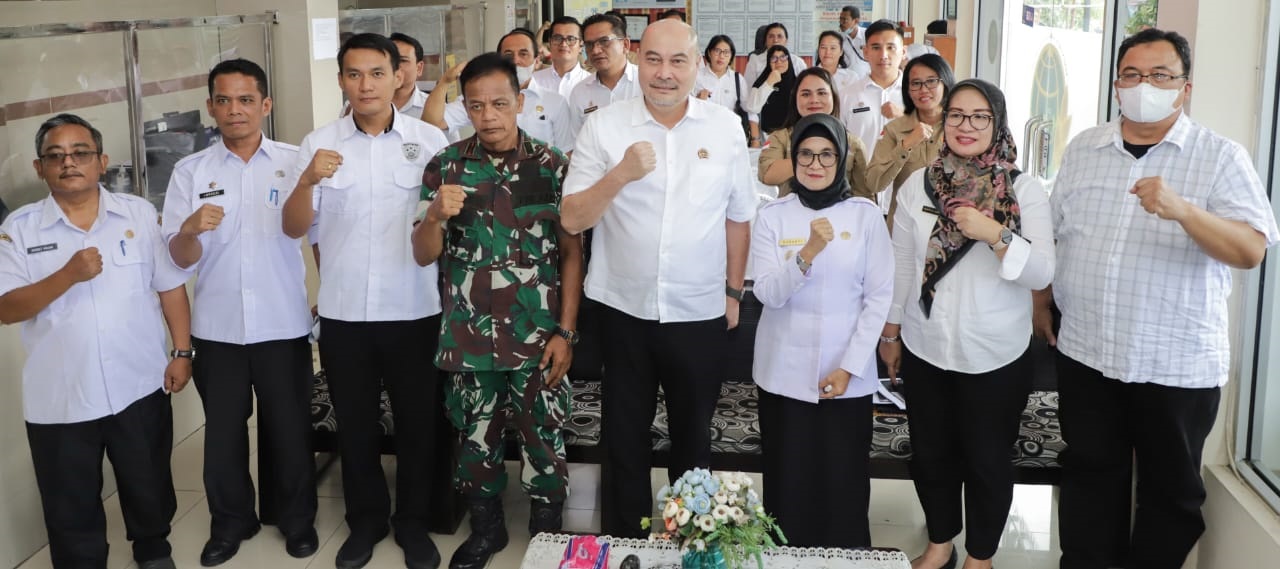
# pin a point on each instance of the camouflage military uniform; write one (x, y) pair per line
(500, 283)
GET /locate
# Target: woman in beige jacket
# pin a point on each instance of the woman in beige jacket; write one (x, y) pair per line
(911, 142)
(814, 93)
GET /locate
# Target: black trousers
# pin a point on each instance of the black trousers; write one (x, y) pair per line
(1108, 425)
(963, 427)
(68, 464)
(687, 360)
(361, 358)
(228, 376)
(816, 459)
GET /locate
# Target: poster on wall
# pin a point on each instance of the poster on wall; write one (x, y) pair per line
(581, 9)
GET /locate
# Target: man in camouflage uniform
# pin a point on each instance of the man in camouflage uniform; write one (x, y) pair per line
(508, 274)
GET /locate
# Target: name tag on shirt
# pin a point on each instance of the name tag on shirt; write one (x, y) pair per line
(791, 242)
(213, 194)
(42, 248)
(860, 110)
(590, 110)
(930, 210)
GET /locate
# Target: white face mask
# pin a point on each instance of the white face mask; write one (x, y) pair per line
(1147, 103)
(523, 74)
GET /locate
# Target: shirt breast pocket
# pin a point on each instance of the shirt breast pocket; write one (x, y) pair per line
(336, 194)
(408, 177)
(130, 271)
(537, 232)
(708, 181)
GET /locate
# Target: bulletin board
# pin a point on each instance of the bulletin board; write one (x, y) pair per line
(739, 20)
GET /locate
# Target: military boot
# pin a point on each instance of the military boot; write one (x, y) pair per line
(545, 517)
(488, 534)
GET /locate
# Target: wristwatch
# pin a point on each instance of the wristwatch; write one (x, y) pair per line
(571, 336)
(189, 354)
(734, 293)
(803, 264)
(1006, 237)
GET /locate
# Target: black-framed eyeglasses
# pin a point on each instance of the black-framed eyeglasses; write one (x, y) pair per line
(721, 51)
(929, 83)
(779, 59)
(1132, 78)
(600, 43)
(826, 158)
(979, 121)
(566, 40)
(80, 157)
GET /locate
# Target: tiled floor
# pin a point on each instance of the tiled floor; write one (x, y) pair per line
(1029, 542)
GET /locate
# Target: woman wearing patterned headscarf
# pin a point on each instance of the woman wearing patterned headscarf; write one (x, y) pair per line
(821, 258)
(971, 240)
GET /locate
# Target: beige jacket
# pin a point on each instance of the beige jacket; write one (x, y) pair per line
(890, 163)
(779, 148)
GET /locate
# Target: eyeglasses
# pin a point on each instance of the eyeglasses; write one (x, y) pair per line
(779, 59)
(929, 83)
(721, 52)
(826, 158)
(978, 121)
(1132, 78)
(80, 157)
(600, 43)
(566, 40)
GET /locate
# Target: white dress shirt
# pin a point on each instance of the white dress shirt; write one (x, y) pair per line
(831, 318)
(658, 253)
(723, 90)
(860, 111)
(550, 81)
(1141, 301)
(590, 95)
(545, 116)
(853, 47)
(100, 346)
(757, 64)
(250, 284)
(367, 273)
(981, 316)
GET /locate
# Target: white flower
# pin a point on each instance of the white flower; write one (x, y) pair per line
(747, 481)
(739, 516)
(722, 498)
(721, 513)
(706, 523)
(699, 545)
(682, 517)
(670, 510)
(732, 486)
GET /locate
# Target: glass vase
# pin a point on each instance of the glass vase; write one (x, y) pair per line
(711, 558)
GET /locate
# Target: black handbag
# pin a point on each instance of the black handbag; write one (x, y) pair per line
(738, 110)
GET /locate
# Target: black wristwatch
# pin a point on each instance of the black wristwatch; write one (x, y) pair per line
(734, 293)
(189, 354)
(570, 336)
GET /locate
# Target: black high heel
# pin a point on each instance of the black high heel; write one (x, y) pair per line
(951, 561)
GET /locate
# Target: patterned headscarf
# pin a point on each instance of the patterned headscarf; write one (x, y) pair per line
(983, 182)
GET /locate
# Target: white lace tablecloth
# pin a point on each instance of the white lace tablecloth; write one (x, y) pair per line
(545, 551)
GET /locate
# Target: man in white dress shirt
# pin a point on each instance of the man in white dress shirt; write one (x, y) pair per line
(1152, 212)
(379, 311)
(251, 318)
(775, 34)
(665, 182)
(81, 269)
(566, 59)
(854, 40)
(606, 43)
(871, 102)
(544, 115)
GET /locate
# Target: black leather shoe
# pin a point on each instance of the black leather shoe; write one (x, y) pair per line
(219, 550)
(951, 561)
(358, 549)
(302, 544)
(488, 535)
(545, 517)
(162, 563)
(420, 552)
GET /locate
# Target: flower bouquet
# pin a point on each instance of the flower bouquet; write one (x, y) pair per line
(718, 519)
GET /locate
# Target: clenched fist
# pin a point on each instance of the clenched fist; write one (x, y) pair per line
(638, 161)
(1159, 199)
(921, 133)
(976, 225)
(207, 218)
(820, 233)
(447, 204)
(84, 265)
(323, 165)
(891, 110)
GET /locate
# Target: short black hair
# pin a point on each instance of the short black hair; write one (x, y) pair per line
(564, 21)
(852, 11)
(780, 27)
(938, 27)
(938, 65)
(793, 115)
(63, 120)
(840, 63)
(517, 32)
(1152, 35)
(376, 42)
(881, 26)
(488, 64)
(733, 51)
(670, 13)
(243, 67)
(619, 27)
(405, 38)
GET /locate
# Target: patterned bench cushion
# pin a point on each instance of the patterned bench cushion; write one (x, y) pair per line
(736, 428)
